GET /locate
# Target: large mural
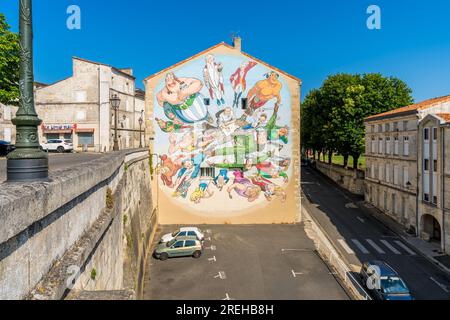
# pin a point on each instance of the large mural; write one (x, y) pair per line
(223, 134)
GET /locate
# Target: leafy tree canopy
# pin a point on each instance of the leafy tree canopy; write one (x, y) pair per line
(9, 64)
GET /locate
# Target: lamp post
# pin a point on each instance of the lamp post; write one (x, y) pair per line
(28, 162)
(115, 103)
(141, 121)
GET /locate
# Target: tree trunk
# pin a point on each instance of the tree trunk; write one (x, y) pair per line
(345, 160)
(314, 154)
(330, 156)
(324, 156)
(318, 155)
(355, 161)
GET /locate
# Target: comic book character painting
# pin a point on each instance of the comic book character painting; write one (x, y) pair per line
(213, 149)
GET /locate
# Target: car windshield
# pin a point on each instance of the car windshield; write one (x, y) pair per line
(171, 242)
(175, 233)
(393, 285)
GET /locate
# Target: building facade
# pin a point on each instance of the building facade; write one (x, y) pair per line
(7, 129)
(226, 132)
(395, 162)
(78, 108)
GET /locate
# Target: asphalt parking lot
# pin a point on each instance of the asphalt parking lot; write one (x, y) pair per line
(264, 262)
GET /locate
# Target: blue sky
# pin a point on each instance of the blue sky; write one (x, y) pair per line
(309, 39)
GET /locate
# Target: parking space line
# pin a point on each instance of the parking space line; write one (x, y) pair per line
(295, 274)
(212, 248)
(213, 259)
(361, 220)
(221, 275)
(227, 297)
(387, 244)
(345, 246)
(400, 244)
(360, 246)
(443, 287)
(375, 246)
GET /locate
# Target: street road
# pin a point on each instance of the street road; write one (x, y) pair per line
(57, 161)
(359, 237)
(245, 262)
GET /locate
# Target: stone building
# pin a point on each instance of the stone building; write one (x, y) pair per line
(226, 132)
(78, 108)
(395, 164)
(7, 129)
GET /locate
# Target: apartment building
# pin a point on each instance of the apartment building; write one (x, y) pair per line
(78, 108)
(7, 129)
(394, 175)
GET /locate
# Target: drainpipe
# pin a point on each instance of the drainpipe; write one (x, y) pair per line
(443, 187)
(417, 179)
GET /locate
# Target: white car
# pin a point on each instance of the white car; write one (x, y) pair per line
(188, 232)
(58, 145)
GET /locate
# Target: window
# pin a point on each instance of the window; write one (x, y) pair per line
(189, 243)
(86, 138)
(396, 145)
(182, 234)
(405, 125)
(372, 128)
(396, 175)
(380, 128)
(380, 145)
(426, 165)
(387, 127)
(435, 200)
(178, 244)
(388, 145)
(388, 173)
(435, 134)
(373, 145)
(426, 197)
(426, 134)
(192, 234)
(395, 126)
(435, 165)
(406, 146)
(405, 176)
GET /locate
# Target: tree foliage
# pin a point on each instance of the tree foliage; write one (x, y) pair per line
(333, 116)
(9, 64)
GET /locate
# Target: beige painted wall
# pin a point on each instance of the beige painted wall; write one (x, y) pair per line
(170, 212)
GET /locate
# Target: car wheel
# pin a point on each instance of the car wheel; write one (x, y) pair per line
(197, 254)
(60, 149)
(164, 256)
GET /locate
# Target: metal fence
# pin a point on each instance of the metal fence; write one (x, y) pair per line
(328, 253)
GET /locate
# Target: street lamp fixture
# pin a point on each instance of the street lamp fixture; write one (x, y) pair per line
(115, 103)
(28, 162)
(141, 121)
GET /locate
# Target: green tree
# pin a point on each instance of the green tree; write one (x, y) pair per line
(336, 112)
(9, 64)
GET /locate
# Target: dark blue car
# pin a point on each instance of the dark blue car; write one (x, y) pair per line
(5, 148)
(384, 282)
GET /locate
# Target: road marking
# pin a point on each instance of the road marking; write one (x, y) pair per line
(227, 298)
(443, 287)
(208, 231)
(360, 246)
(400, 244)
(296, 273)
(361, 219)
(212, 248)
(375, 246)
(387, 244)
(303, 250)
(346, 247)
(213, 259)
(221, 275)
(351, 205)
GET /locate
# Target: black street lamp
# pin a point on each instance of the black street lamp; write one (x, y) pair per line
(115, 103)
(141, 121)
(28, 162)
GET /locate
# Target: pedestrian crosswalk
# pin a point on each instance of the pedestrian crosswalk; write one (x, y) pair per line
(370, 246)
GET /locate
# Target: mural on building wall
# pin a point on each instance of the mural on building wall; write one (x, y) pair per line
(224, 134)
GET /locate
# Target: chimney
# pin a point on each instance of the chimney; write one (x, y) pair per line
(237, 43)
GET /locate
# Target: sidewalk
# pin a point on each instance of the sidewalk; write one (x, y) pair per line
(430, 251)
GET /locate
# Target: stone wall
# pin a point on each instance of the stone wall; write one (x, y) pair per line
(61, 236)
(352, 180)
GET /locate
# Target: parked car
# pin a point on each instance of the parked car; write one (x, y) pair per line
(58, 145)
(5, 148)
(179, 247)
(390, 285)
(187, 232)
